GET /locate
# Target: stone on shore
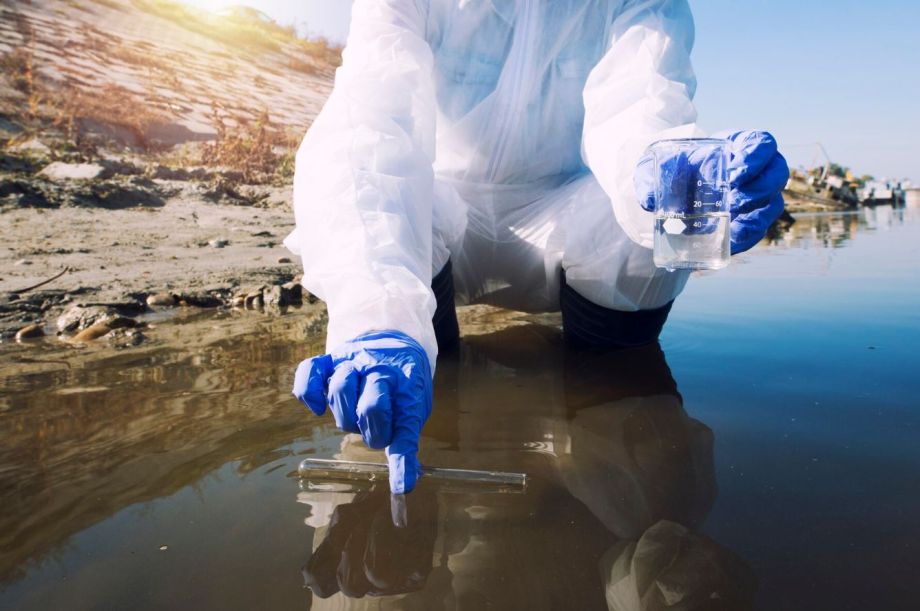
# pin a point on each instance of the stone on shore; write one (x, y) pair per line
(104, 328)
(58, 170)
(166, 300)
(81, 317)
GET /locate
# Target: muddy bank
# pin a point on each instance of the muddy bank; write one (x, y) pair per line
(193, 251)
(146, 159)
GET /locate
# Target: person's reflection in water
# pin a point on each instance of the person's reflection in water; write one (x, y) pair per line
(622, 478)
(377, 544)
(645, 469)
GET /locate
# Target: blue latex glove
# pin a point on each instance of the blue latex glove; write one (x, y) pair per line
(757, 174)
(378, 385)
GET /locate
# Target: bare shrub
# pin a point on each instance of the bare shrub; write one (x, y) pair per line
(257, 150)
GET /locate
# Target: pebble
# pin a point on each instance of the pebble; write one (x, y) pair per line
(34, 146)
(295, 289)
(276, 296)
(161, 300)
(200, 299)
(252, 298)
(284, 260)
(29, 332)
(80, 317)
(93, 332)
(102, 328)
(219, 243)
(126, 338)
(23, 262)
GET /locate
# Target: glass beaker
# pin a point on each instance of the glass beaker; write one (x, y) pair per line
(692, 216)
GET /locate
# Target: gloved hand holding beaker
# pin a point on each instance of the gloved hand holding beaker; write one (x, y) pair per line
(379, 385)
(757, 174)
(691, 180)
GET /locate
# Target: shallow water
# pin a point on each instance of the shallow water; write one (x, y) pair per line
(768, 452)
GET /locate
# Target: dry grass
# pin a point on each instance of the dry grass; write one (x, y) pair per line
(67, 108)
(259, 151)
(79, 118)
(112, 105)
(19, 67)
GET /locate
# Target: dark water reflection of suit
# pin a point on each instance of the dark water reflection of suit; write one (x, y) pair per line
(621, 478)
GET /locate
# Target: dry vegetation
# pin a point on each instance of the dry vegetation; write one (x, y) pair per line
(79, 113)
(66, 109)
(258, 150)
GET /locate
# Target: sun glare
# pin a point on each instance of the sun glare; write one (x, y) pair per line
(210, 5)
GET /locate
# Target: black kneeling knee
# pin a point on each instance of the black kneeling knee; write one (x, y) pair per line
(446, 328)
(588, 325)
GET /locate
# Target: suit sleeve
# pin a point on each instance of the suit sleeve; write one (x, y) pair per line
(641, 91)
(363, 181)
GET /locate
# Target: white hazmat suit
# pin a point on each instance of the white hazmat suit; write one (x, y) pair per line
(502, 135)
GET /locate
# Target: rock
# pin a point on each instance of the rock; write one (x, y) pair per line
(81, 317)
(200, 300)
(276, 296)
(29, 332)
(18, 164)
(219, 243)
(284, 260)
(33, 146)
(104, 328)
(296, 291)
(125, 338)
(163, 172)
(23, 262)
(115, 195)
(25, 193)
(238, 302)
(252, 297)
(166, 300)
(94, 332)
(253, 301)
(58, 170)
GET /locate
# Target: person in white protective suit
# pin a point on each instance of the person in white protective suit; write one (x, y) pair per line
(486, 151)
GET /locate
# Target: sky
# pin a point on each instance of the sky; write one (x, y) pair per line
(835, 73)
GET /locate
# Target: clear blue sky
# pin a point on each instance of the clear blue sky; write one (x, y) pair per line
(843, 73)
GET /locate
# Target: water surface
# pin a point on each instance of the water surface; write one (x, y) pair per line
(765, 456)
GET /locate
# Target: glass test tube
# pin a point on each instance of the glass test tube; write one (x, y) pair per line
(324, 468)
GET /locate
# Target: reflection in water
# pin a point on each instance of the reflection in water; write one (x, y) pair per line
(157, 478)
(141, 425)
(376, 545)
(622, 478)
(834, 230)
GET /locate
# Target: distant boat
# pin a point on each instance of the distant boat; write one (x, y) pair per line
(879, 192)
